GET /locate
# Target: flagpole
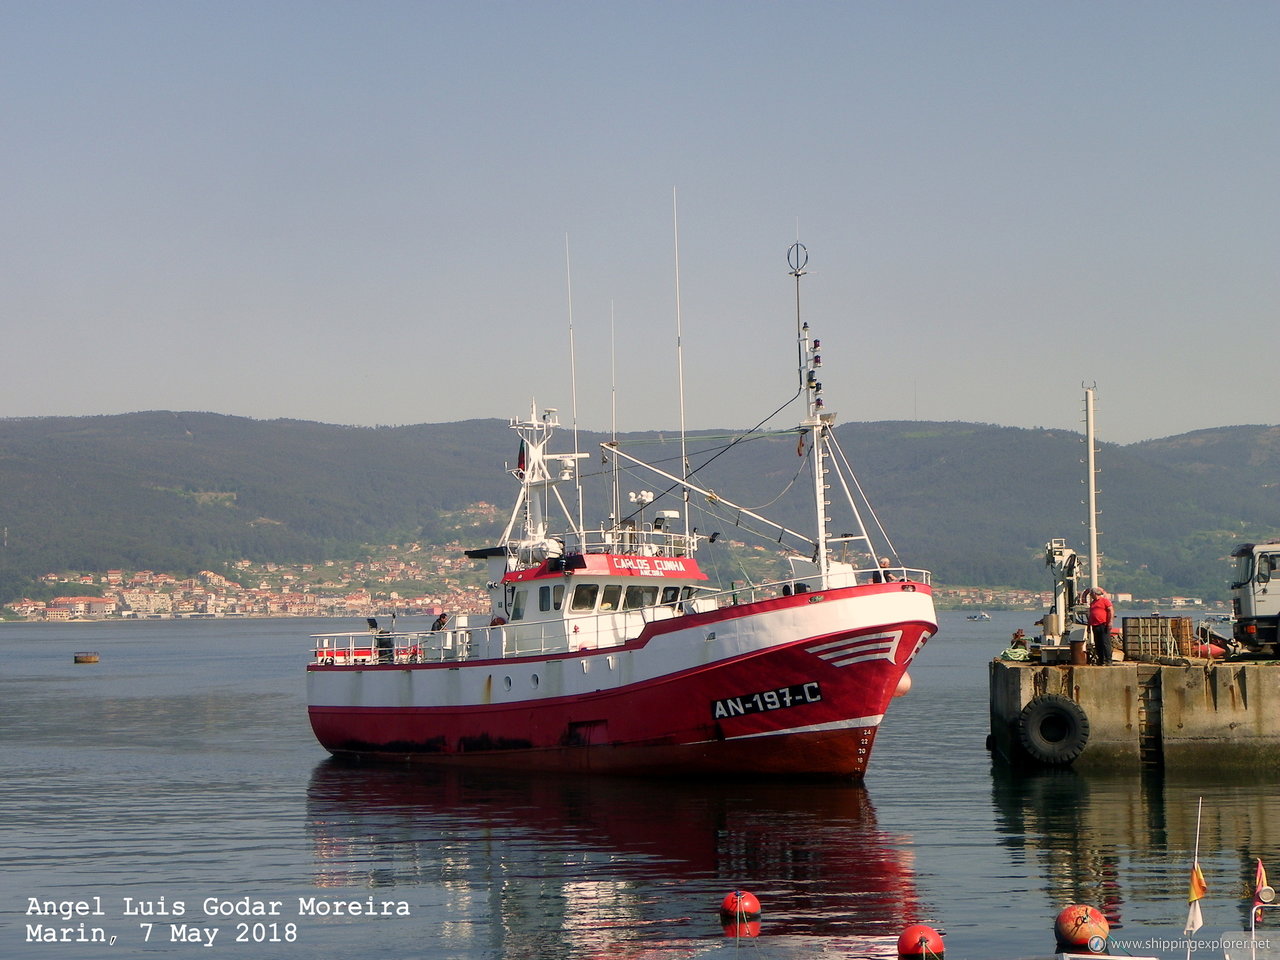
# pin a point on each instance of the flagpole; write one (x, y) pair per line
(1193, 911)
(1199, 809)
(1263, 896)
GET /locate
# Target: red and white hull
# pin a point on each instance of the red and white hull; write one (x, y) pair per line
(794, 685)
(607, 650)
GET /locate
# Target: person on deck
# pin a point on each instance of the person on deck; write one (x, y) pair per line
(1100, 616)
(883, 575)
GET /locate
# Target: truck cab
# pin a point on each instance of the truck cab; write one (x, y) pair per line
(1255, 595)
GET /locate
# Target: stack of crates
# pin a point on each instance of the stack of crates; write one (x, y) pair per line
(1157, 637)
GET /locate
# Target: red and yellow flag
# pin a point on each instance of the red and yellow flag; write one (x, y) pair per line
(1197, 888)
(1195, 891)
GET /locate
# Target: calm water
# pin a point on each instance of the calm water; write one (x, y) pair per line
(181, 768)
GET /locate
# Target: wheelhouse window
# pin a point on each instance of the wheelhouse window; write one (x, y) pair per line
(670, 595)
(638, 597)
(517, 605)
(584, 597)
(551, 598)
(611, 597)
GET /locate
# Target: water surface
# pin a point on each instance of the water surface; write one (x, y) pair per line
(180, 769)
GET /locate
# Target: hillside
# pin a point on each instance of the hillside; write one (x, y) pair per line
(974, 502)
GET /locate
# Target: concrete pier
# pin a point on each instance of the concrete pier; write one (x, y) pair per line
(1202, 716)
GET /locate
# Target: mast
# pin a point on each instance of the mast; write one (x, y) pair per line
(684, 454)
(573, 383)
(1093, 485)
(828, 463)
(815, 420)
(615, 503)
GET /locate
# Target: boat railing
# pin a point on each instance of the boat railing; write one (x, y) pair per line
(472, 638)
(750, 593)
(642, 540)
(493, 641)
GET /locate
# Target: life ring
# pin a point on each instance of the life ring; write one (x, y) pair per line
(497, 622)
(1053, 729)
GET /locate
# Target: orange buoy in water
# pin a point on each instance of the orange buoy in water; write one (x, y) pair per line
(919, 940)
(904, 686)
(740, 914)
(1082, 926)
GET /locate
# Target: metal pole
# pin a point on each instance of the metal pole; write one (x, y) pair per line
(1093, 488)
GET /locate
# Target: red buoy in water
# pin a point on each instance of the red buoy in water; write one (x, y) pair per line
(740, 914)
(747, 928)
(919, 940)
(1080, 926)
(739, 906)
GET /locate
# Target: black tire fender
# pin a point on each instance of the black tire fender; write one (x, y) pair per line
(1053, 729)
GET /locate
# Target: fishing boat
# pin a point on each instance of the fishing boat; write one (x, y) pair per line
(607, 649)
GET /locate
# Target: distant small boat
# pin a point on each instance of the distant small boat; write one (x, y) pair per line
(85, 657)
(980, 615)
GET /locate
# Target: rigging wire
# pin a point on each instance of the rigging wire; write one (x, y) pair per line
(742, 437)
(865, 501)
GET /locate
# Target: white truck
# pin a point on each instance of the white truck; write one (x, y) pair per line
(1255, 596)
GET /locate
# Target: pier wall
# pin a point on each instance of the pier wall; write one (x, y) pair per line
(1207, 715)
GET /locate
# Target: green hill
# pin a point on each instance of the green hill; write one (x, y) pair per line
(975, 503)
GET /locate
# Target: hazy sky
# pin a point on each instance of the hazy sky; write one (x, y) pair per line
(358, 212)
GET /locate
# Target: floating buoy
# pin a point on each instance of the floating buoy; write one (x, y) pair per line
(919, 940)
(740, 905)
(86, 657)
(740, 914)
(747, 928)
(904, 686)
(1082, 926)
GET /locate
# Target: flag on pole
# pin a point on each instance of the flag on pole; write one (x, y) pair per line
(1195, 891)
(1262, 893)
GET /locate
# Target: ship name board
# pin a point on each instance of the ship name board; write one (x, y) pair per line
(649, 566)
(765, 700)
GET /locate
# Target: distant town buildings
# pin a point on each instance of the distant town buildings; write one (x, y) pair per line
(407, 580)
(443, 580)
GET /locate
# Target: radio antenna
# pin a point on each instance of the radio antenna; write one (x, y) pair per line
(684, 455)
(573, 391)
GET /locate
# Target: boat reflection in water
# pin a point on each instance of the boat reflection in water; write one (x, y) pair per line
(519, 865)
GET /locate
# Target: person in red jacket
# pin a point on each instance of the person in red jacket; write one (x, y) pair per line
(1100, 615)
